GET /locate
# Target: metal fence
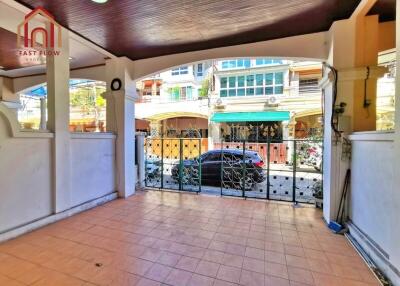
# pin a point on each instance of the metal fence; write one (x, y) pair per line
(289, 170)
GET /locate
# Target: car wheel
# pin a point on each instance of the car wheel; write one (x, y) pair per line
(247, 182)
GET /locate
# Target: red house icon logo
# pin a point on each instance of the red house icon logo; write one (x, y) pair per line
(48, 33)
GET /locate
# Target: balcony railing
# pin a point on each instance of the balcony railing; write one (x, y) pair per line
(168, 99)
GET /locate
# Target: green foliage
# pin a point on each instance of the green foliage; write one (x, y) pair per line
(205, 86)
(89, 100)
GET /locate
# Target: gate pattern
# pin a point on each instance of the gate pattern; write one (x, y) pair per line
(288, 171)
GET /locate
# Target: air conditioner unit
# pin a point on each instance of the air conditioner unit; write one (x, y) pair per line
(273, 100)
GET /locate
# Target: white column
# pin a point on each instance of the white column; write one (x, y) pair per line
(396, 199)
(58, 122)
(140, 136)
(43, 114)
(121, 120)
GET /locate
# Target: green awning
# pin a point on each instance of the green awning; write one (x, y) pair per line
(251, 116)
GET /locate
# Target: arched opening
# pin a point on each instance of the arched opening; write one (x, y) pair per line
(249, 112)
(87, 106)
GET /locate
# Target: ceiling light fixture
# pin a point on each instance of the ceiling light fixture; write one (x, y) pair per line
(100, 1)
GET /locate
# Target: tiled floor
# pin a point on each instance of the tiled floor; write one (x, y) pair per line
(161, 238)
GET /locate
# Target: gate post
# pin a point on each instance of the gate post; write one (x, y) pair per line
(140, 158)
(294, 169)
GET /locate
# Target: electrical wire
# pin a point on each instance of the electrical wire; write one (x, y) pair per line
(334, 94)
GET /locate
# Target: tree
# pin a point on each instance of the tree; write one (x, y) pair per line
(89, 100)
(205, 86)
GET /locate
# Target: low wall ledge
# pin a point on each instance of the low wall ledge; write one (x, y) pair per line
(372, 136)
(33, 134)
(87, 135)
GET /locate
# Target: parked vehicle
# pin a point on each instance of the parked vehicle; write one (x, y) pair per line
(231, 165)
(153, 168)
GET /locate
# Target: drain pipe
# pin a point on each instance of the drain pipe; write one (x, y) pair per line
(371, 265)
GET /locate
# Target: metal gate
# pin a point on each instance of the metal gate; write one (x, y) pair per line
(173, 163)
(288, 170)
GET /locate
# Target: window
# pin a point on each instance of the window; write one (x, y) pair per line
(181, 93)
(224, 82)
(211, 157)
(240, 81)
(308, 85)
(180, 70)
(232, 82)
(259, 79)
(250, 80)
(252, 84)
(233, 64)
(199, 69)
(261, 62)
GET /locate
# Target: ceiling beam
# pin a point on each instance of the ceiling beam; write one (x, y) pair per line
(363, 8)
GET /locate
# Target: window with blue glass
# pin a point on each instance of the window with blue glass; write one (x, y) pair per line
(200, 69)
(252, 84)
(180, 70)
(261, 62)
(238, 63)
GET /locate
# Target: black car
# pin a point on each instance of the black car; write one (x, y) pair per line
(227, 164)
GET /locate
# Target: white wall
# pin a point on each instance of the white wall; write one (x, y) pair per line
(375, 200)
(92, 167)
(26, 171)
(25, 178)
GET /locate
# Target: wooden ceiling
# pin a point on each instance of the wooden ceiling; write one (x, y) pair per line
(8, 52)
(386, 9)
(142, 29)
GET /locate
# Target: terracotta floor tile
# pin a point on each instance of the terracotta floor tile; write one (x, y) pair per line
(169, 259)
(254, 253)
(200, 280)
(235, 249)
(9, 282)
(217, 245)
(255, 265)
(250, 278)
(228, 273)
(300, 275)
(233, 260)
(223, 283)
(274, 246)
(276, 269)
(326, 280)
(151, 254)
(138, 266)
(178, 277)
(276, 281)
(187, 263)
(294, 250)
(158, 272)
(147, 282)
(276, 257)
(59, 279)
(145, 235)
(213, 256)
(320, 266)
(294, 283)
(297, 261)
(207, 268)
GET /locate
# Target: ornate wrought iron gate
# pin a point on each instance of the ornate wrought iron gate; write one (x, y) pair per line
(288, 170)
(173, 164)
